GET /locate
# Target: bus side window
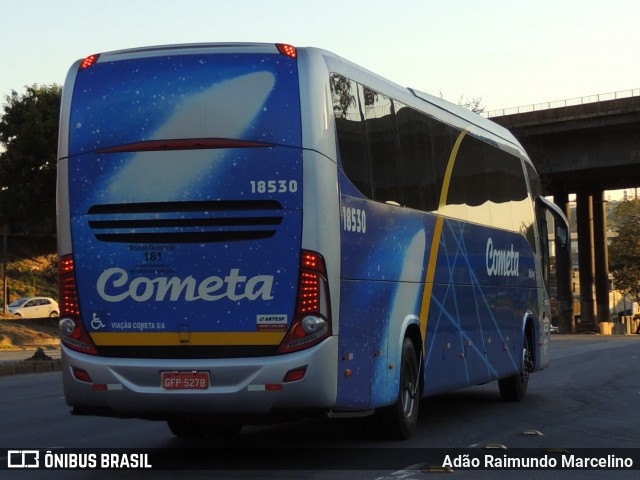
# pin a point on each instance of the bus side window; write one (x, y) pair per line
(351, 132)
(416, 169)
(383, 147)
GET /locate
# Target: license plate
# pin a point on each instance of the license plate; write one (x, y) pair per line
(185, 380)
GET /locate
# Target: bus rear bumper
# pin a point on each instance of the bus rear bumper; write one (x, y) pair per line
(124, 387)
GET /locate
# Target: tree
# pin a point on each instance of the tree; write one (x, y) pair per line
(624, 250)
(473, 104)
(29, 135)
(343, 99)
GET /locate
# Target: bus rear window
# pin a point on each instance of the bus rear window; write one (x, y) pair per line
(251, 97)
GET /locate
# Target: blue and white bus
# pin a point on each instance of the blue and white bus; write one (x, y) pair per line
(252, 231)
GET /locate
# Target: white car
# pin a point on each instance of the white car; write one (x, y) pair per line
(35, 307)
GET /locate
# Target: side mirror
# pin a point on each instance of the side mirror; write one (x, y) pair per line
(562, 238)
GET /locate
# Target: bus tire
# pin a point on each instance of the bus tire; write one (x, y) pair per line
(399, 421)
(514, 388)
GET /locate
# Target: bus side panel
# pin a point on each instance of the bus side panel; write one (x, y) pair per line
(476, 306)
(383, 259)
(360, 324)
(483, 286)
(62, 187)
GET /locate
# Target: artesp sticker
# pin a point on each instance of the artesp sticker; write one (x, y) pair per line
(272, 323)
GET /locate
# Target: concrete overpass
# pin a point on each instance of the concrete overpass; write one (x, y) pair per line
(584, 147)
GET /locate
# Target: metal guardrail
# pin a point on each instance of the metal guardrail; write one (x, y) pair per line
(563, 103)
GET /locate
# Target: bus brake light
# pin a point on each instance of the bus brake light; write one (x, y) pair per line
(89, 61)
(288, 50)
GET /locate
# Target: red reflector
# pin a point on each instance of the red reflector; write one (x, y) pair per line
(288, 50)
(295, 375)
(81, 375)
(298, 331)
(272, 387)
(100, 387)
(89, 61)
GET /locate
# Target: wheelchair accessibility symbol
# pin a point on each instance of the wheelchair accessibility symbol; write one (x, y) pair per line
(96, 323)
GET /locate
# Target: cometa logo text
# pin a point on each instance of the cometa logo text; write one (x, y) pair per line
(501, 263)
(114, 285)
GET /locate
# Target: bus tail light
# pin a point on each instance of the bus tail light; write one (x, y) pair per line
(312, 320)
(72, 331)
(288, 50)
(89, 61)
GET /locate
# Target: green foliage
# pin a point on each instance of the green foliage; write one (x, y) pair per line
(32, 267)
(624, 250)
(343, 99)
(29, 135)
(33, 277)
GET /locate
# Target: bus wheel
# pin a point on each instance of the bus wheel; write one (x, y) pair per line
(514, 389)
(399, 421)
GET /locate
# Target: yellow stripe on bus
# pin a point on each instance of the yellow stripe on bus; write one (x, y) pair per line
(192, 338)
(431, 272)
(435, 241)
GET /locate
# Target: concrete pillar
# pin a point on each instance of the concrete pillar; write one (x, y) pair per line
(584, 214)
(601, 258)
(566, 320)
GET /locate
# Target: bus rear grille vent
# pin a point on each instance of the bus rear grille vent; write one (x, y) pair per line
(185, 222)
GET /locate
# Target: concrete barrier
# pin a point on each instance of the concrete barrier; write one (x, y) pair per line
(25, 366)
(606, 328)
(40, 362)
(630, 325)
(624, 327)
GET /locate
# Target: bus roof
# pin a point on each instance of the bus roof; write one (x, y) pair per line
(457, 115)
(434, 105)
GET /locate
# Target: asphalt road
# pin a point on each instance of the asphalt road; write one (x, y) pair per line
(589, 397)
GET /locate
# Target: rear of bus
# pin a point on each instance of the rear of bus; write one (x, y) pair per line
(185, 285)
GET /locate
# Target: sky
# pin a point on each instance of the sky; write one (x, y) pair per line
(507, 53)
